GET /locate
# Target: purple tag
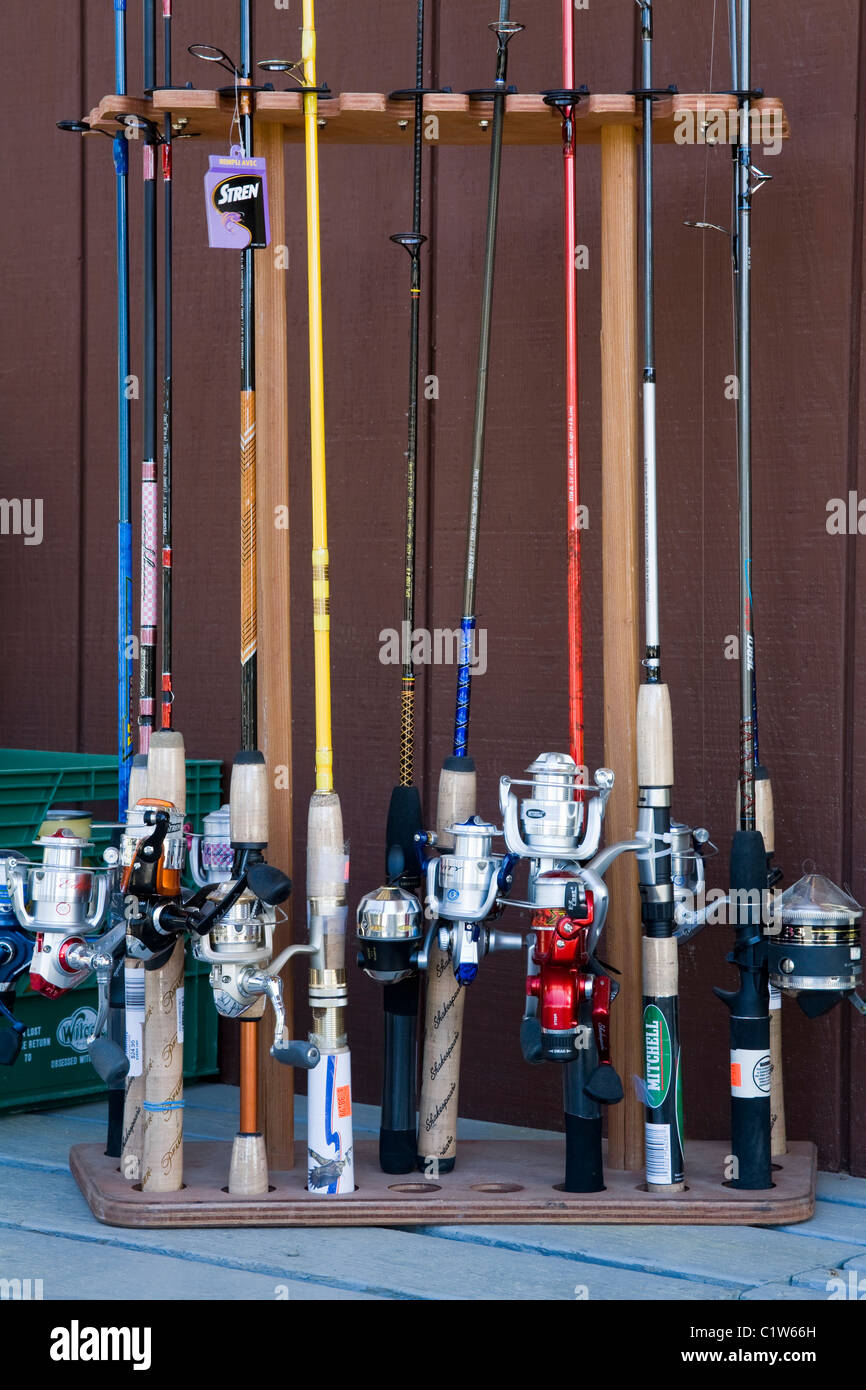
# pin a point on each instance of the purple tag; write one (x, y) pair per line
(236, 199)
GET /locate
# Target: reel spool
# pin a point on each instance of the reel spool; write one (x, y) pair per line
(816, 958)
(562, 818)
(390, 931)
(462, 888)
(211, 855)
(59, 901)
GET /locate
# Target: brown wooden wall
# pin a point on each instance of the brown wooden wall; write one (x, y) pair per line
(58, 441)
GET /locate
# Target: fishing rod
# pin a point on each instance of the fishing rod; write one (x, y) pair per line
(764, 814)
(389, 920)
(330, 1161)
(249, 1172)
(166, 709)
(149, 503)
(662, 1063)
(560, 936)
(749, 1004)
(330, 1164)
(125, 642)
(445, 1000)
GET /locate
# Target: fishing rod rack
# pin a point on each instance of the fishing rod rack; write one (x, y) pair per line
(494, 1181)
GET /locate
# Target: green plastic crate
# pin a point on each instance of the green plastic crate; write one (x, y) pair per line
(32, 781)
(54, 1068)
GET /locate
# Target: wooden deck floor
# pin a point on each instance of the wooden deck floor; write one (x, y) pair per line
(48, 1233)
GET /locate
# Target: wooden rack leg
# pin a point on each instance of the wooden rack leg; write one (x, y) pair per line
(619, 396)
(276, 1082)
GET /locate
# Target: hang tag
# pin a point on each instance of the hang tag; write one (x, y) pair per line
(236, 201)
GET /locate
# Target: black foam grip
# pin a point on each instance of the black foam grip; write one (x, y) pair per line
(405, 821)
(750, 1144)
(452, 764)
(397, 1150)
(583, 1164)
(114, 1137)
(397, 1139)
(748, 860)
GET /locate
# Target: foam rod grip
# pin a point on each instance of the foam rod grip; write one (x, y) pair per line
(248, 801)
(162, 1139)
(326, 873)
(166, 768)
(136, 1024)
(137, 779)
(655, 753)
(248, 1172)
(444, 1002)
(764, 814)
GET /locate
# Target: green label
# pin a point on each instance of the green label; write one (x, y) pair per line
(657, 1055)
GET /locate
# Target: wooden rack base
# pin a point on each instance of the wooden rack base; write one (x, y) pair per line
(498, 1182)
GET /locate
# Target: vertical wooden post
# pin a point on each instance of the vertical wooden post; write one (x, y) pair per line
(276, 1082)
(619, 403)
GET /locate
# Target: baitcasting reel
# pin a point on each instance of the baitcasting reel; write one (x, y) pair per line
(816, 956)
(562, 818)
(59, 901)
(390, 931)
(211, 854)
(462, 888)
(15, 951)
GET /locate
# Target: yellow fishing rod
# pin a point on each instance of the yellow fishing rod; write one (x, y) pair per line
(329, 1122)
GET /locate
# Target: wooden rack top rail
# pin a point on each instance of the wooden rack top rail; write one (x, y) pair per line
(369, 118)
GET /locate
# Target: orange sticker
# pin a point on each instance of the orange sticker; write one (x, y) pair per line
(736, 1075)
(344, 1101)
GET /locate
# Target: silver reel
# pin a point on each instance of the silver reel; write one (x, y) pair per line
(238, 946)
(59, 900)
(390, 930)
(562, 818)
(462, 888)
(211, 855)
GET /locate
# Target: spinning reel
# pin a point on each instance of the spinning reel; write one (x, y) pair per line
(59, 901)
(463, 888)
(15, 952)
(562, 818)
(557, 828)
(233, 920)
(211, 855)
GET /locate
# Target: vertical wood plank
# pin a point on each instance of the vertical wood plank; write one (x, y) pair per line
(620, 612)
(276, 1082)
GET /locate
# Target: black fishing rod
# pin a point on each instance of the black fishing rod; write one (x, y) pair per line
(443, 1017)
(149, 504)
(663, 1081)
(749, 1004)
(389, 920)
(167, 689)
